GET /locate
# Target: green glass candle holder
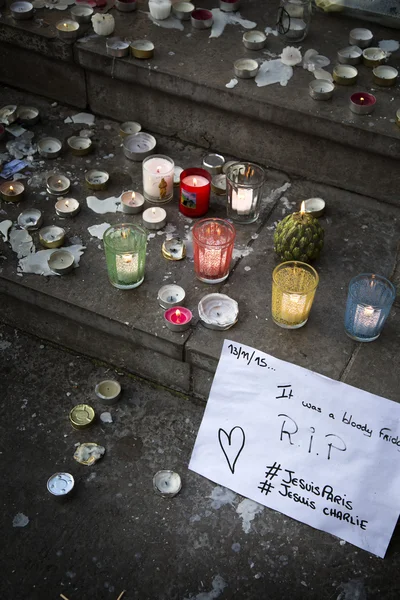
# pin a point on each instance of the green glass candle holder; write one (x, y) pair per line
(125, 249)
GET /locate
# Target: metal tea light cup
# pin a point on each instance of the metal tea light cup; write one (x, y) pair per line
(244, 186)
(369, 301)
(125, 249)
(293, 289)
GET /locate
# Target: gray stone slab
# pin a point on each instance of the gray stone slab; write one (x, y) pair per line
(373, 367)
(115, 533)
(361, 236)
(62, 81)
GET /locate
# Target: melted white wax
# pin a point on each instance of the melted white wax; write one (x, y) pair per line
(273, 71)
(36, 263)
(232, 83)
(4, 227)
(108, 205)
(170, 23)
(21, 242)
(98, 230)
(221, 19)
(247, 510)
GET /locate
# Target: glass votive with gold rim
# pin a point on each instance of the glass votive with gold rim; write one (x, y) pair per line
(293, 289)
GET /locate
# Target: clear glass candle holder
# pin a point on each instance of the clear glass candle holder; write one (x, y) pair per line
(293, 290)
(294, 19)
(244, 185)
(158, 178)
(369, 302)
(213, 241)
(125, 249)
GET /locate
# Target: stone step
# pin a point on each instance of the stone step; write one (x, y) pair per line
(82, 311)
(182, 92)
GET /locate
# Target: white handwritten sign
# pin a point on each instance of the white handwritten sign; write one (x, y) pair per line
(315, 449)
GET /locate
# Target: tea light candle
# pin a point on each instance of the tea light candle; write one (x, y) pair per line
(229, 5)
(194, 192)
(178, 318)
(67, 29)
(373, 57)
(28, 115)
(81, 14)
(321, 89)
(360, 37)
(12, 192)
(96, 179)
(183, 10)
(129, 128)
(245, 68)
(254, 40)
(293, 289)
(49, 147)
(61, 262)
(362, 103)
(160, 9)
(369, 301)
(385, 76)
(218, 184)
(58, 185)
(154, 218)
(67, 207)
(125, 5)
(345, 74)
(158, 178)
(30, 219)
(21, 10)
(116, 47)
(351, 55)
(51, 236)
(108, 391)
(170, 295)
(213, 163)
(167, 483)
(213, 241)
(79, 146)
(132, 203)
(201, 18)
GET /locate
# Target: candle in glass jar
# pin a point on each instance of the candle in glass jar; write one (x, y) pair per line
(293, 289)
(158, 178)
(242, 201)
(213, 241)
(194, 192)
(125, 249)
(127, 266)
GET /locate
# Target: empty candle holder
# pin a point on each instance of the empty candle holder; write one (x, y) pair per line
(158, 179)
(213, 241)
(125, 250)
(369, 302)
(244, 185)
(293, 290)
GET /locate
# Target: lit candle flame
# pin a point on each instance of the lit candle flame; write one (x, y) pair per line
(368, 311)
(59, 182)
(133, 196)
(124, 233)
(11, 189)
(218, 230)
(362, 99)
(194, 181)
(66, 26)
(178, 315)
(153, 211)
(66, 204)
(303, 208)
(127, 258)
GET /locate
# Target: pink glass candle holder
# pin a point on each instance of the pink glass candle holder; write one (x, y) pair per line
(178, 318)
(213, 241)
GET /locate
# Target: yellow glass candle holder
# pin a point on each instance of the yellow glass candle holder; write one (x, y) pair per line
(293, 289)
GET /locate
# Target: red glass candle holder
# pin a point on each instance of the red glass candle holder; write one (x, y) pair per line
(213, 241)
(194, 192)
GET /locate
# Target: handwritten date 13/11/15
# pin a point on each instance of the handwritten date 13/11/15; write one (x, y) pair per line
(249, 357)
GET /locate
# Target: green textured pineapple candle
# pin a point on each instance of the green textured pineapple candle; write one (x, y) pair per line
(299, 237)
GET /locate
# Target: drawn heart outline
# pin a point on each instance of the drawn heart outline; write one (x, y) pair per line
(229, 439)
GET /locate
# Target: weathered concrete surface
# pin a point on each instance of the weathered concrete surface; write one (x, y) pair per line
(126, 328)
(115, 533)
(182, 92)
(41, 75)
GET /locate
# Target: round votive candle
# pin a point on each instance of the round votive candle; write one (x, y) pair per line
(12, 192)
(160, 9)
(369, 301)
(293, 289)
(67, 207)
(154, 218)
(244, 185)
(158, 178)
(132, 203)
(51, 236)
(178, 318)
(362, 103)
(213, 241)
(321, 89)
(170, 295)
(351, 55)
(195, 188)
(125, 249)
(360, 37)
(61, 262)
(385, 76)
(108, 391)
(201, 18)
(67, 29)
(58, 185)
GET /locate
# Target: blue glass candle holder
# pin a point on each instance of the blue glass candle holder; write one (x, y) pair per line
(368, 305)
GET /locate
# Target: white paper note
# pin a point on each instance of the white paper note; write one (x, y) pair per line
(315, 449)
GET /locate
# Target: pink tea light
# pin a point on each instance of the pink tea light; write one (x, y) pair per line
(201, 18)
(178, 318)
(362, 103)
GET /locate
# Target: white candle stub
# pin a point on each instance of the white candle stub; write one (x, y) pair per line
(167, 483)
